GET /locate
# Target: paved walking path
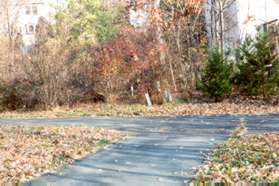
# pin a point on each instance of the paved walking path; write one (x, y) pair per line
(160, 150)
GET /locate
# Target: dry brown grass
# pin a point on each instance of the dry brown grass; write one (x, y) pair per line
(125, 110)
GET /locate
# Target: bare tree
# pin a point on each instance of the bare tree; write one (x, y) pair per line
(183, 36)
(10, 10)
(222, 23)
(179, 26)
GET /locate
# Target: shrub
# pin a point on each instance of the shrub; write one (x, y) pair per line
(215, 81)
(258, 66)
(17, 94)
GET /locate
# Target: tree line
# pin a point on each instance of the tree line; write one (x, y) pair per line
(92, 53)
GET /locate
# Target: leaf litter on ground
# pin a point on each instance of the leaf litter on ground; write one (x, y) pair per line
(248, 158)
(169, 109)
(30, 151)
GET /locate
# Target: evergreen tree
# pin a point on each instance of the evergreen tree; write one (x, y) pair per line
(215, 81)
(258, 66)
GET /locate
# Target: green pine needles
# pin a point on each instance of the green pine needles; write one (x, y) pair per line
(255, 72)
(258, 65)
(215, 81)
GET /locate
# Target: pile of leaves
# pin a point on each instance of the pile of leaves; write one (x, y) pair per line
(30, 151)
(250, 158)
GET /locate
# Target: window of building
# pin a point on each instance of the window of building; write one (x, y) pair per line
(35, 10)
(30, 29)
(27, 10)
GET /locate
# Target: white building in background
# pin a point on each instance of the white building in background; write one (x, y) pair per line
(22, 16)
(242, 18)
(253, 13)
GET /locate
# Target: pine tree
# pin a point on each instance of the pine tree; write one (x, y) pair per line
(258, 66)
(215, 82)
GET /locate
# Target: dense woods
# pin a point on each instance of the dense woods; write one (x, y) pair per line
(91, 52)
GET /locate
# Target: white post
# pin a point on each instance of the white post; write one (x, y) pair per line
(132, 90)
(169, 96)
(158, 86)
(166, 96)
(149, 103)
